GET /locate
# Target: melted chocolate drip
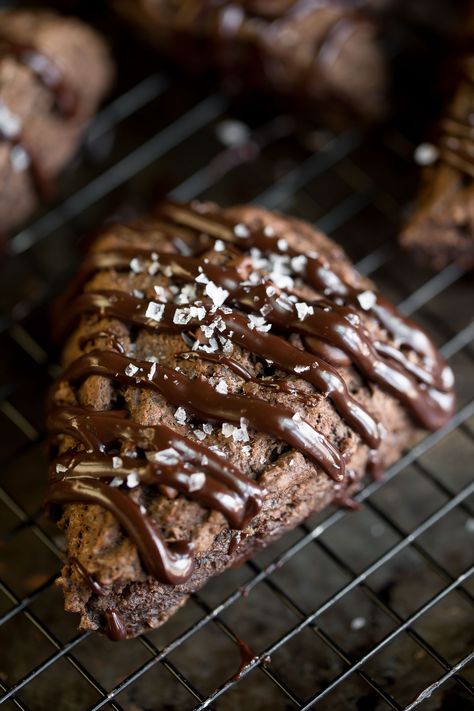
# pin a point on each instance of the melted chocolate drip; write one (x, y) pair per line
(220, 486)
(247, 655)
(320, 374)
(89, 579)
(205, 403)
(172, 564)
(330, 327)
(115, 627)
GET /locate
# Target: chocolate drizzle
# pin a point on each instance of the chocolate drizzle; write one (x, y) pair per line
(89, 579)
(113, 452)
(172, 564)
(115, 627)
(220, 484)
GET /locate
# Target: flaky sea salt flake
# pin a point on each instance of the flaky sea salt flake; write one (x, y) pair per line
(216, 293)
(155, 311)
(366, 299)
(131, 370)
(303, 309)
(180, 415)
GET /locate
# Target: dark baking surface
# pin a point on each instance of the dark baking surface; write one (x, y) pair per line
(363, 610)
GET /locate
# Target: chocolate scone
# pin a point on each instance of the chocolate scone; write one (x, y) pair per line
(325, 56)
(441, 228)
(53, 73)
(226, 373)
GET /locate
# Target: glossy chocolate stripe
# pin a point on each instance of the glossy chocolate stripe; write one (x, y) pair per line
(115, 627)
(321, 375)
(340, 326)
(200, 398)
(88, 578)
(316, 271)
(238, 497)
(172, 564)
(194, 483)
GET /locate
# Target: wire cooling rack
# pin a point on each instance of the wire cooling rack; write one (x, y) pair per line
(367, 610)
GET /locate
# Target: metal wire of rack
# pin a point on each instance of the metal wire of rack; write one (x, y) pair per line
(370, 609)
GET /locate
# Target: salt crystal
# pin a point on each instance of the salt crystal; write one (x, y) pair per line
(258, 323)
(131, 370)
(117, 462)
(216, 293)
(197, 481)
(367, 299)
(152, 372)
(160, 291)
(208, 330)
(353, 319)
(270, 290)
(282, 245)
(181, 317)
(138, 294)
(200, 435)
(227, 429)
(136, 266)
(227, 345)
(303, 309)
(222, 388)
(155, 311)
(201, 278)
(198, 312)
(219, 245)
(187, 294)
(60, 469)
(207, 427)
(268, 231)
(133, 480)
(283, 304)
(301, 368)
(165, 456)
(116, 481)
(180, 415)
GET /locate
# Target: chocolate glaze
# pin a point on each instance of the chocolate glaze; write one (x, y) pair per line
(205, 403)
(115, 627)
(172, 564)
(331, 329)
(89, 579)
(320, 374)
(224, 487)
